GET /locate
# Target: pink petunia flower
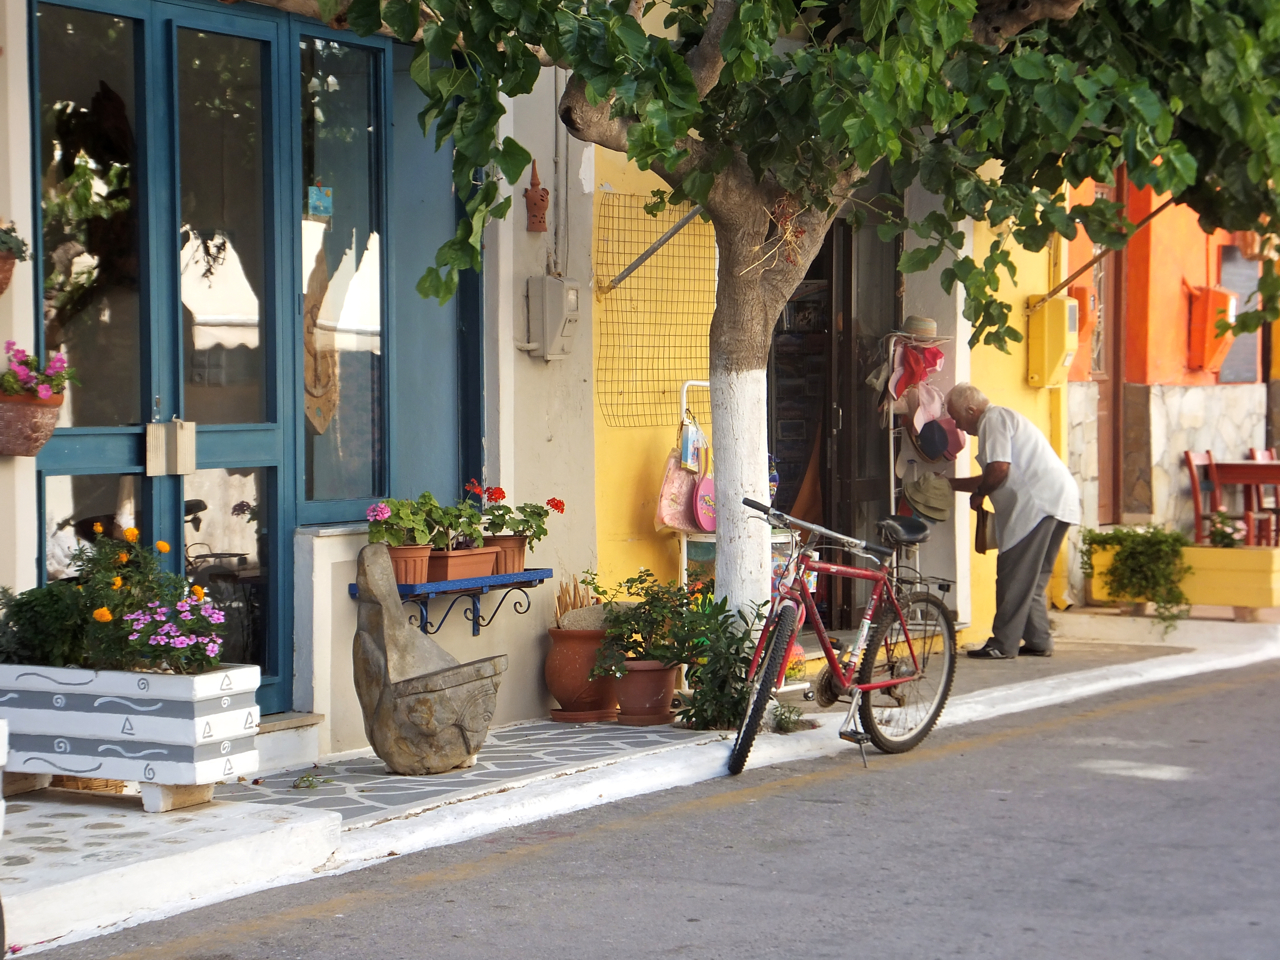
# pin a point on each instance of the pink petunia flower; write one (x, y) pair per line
(44, 391)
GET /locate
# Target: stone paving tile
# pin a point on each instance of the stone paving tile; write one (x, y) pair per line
(362, 789)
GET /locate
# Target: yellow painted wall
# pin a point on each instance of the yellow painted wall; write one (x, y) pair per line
(1003, 378)
(629, 460)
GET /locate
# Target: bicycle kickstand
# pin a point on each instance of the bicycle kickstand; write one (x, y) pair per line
(850, 731)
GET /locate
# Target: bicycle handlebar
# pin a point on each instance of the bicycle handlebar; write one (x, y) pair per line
(783, 519)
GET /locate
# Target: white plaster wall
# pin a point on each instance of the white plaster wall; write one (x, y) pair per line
(538, 444)
(17, 312)
(947, 552)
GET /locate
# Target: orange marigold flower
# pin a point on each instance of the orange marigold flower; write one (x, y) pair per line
(97, 528)
(122, 557)
(162, 546)
(197, 591)
(102, 615)
(117, 583)
(131, 534)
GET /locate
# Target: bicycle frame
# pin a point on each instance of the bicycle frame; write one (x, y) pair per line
(793, 588)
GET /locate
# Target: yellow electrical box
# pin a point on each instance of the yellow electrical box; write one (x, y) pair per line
(1052, 339)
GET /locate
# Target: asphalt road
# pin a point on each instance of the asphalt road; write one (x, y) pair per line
(1142, 824)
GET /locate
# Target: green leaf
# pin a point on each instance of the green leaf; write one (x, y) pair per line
(402, 17)
(512, 160)
(364, 17)
(876, 15)
(330, 8)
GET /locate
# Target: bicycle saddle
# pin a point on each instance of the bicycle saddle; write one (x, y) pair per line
(900, 529)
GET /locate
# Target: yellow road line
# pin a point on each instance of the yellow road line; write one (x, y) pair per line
(277, 923)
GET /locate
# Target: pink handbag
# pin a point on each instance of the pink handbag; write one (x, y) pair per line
(704, 505)
(675, 499)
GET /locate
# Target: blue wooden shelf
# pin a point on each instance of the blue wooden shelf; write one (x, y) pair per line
(472, 588)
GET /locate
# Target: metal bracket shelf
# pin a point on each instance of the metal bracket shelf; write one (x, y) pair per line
(472, 590)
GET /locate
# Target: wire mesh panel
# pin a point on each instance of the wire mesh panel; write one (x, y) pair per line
(654, 326)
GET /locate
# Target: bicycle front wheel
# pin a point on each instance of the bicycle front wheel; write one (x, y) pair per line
(762, 686)
(898, 717)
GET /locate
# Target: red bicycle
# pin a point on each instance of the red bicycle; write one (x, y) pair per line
(897, 673)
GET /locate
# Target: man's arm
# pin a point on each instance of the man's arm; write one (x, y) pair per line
(991, 479)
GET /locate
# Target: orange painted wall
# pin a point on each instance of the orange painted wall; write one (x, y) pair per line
(1080, 252)
(1160, 262)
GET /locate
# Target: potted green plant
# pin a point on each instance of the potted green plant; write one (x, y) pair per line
(575, 643)
(458, 540)
(12, 249)
(512, 529)
(407, 528)
(29, 399)
(123, 655)
(645, 643)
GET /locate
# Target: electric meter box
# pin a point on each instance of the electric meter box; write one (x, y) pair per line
(553, 316)
(1205, 349)
(1053, 335)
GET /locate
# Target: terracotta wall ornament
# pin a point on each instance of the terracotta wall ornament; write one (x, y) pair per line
(536, 200)
(424, 712)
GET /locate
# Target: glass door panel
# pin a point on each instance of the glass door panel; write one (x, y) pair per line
(341, 273)
(79, 509)
(221, 234)
(89, 201)
(227, 552)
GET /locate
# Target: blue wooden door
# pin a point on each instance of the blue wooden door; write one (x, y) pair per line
(164, 175)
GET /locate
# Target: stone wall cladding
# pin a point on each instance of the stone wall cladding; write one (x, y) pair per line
(1082, 460)
(1226, 420)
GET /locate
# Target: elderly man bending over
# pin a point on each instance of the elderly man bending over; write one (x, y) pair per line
(1035, 500)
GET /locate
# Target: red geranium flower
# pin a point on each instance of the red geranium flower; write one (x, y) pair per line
(494, 494)
(556, 504)
(474, 487)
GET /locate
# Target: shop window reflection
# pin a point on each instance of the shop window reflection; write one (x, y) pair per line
(227, 552)
(73, 505)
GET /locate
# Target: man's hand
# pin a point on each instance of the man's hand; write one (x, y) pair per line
(992, 478)
(975, 501)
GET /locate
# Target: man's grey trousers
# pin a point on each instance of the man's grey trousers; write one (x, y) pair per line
(1022, 573)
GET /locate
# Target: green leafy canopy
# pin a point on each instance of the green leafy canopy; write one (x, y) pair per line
(1182, 93)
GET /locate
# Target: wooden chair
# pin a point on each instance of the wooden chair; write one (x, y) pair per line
(1259, 525)
(1261, 493)
(1200, 517)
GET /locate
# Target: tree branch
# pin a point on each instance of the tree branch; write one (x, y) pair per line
(592, 124)
(705, 61)
(998, 21)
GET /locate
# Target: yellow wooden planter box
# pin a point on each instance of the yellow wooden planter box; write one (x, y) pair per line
(1223, 577)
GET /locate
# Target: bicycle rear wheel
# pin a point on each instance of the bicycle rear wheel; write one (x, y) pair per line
(763, 684)
(896, 718)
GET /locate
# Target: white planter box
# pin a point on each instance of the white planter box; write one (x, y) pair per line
(150, 727)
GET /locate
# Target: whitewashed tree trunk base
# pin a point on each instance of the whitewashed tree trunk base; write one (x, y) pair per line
(161, 798)
(740, 422)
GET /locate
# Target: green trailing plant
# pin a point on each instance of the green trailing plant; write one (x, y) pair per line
(122, 611)
(1147, 566)
(721, 649)
(1222, 530)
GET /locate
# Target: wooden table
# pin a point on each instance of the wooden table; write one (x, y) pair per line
(1250, 474)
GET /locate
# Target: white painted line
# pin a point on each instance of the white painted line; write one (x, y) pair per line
(1145, 771)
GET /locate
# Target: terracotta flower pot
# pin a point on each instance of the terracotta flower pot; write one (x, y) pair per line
(568, 675)
(7, 261)
(510, 552)
(411, 562)
(26, 423)
(462, 564)
(645, 692)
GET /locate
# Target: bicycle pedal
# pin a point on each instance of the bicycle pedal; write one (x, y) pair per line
(854, 736)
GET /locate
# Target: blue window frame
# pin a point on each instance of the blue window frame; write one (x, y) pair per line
(430, 434)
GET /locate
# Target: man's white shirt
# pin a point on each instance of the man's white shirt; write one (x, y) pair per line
(1039, 484)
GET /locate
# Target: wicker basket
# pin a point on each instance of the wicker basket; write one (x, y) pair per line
(96, 784)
